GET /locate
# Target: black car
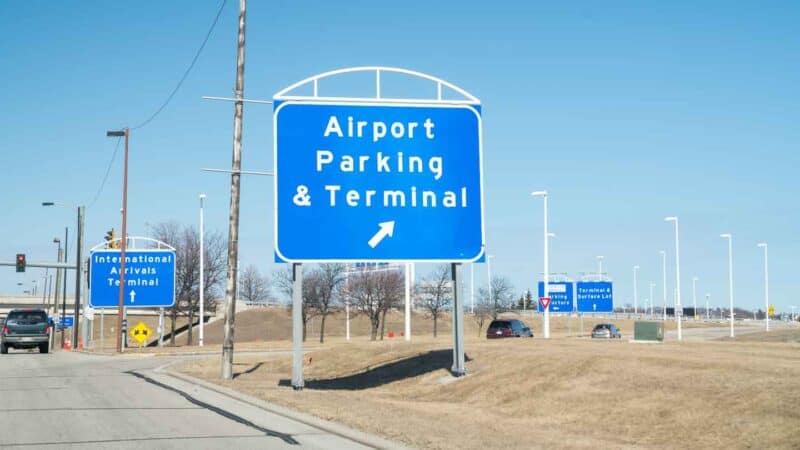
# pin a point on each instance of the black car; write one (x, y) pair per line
(606, 331)
(508, 328)
(26, 328)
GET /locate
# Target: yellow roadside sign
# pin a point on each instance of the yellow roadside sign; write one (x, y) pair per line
(771, 310)
(140, 333)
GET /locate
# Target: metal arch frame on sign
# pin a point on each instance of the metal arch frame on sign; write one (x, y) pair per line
(160, 245)
(284, 95)
(282, 98)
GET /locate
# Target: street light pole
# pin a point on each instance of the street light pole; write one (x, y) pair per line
(202, 271)
(64, 292)
(678, 308)
(635, 290)
(124, 239)
(766, 284)
(78, 277)
(664, 281)
(729, 237)
(708, 297)
(600, 268)
(652, 285)
(694, 295)
(59, 273)
(546, 280)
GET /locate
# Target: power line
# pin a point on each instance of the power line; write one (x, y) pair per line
(108, 170)
(185, 73)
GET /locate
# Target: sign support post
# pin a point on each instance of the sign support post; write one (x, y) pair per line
(458, 369)
(161, 327)
(297, 326)
(102, 328)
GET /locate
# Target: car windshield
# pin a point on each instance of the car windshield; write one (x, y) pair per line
(500, 324)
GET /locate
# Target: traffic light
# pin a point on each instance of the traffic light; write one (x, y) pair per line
(110, 239)
(21, 262)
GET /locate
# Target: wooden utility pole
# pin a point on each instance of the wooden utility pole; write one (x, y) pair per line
(233, 225)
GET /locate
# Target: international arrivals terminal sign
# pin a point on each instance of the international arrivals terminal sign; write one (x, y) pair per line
(378, 181)
(149, 278)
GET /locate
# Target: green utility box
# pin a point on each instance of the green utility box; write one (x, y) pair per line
(648, 331)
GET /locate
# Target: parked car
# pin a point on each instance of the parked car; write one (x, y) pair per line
(25, 328)
(502, 328)
(606, 331)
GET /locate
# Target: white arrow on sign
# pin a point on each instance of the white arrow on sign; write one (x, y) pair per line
(594, 306)
(133, 296)
(387, 229)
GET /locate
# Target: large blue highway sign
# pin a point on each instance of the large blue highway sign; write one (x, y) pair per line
(149, 278)
(594, 296)
(560, 293)
(365, 182)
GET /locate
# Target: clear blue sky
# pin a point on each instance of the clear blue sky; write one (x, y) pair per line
(625, 112)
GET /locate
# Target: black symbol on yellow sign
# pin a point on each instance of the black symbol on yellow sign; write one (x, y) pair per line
(140, 333)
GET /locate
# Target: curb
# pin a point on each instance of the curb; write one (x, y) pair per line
(360, 437)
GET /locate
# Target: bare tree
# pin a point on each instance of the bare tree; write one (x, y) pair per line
(374, 294)
(186, 241)
(436, 293)
(483, 309)
(330, 278)
(253, 287)
(501, 299)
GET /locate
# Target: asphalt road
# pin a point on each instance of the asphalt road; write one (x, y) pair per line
(68, 400)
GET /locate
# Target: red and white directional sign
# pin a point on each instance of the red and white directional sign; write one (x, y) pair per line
(545, 301)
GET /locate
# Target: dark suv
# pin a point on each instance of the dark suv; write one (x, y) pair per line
(25, 328)
(508, 328)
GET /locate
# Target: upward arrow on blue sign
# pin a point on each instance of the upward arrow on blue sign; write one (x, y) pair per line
(378, 182)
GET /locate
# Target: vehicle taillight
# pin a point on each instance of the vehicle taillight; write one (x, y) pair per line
(5, 330)
(47, 329)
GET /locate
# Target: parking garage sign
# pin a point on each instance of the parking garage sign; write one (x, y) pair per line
(560, 293)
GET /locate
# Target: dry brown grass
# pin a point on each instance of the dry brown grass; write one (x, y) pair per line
(274, 324)
(785, 335)
(110, 325)
(562, 393)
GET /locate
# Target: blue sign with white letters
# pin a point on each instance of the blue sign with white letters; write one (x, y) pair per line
(365, 182)
(560, 293)
(594, 296)
(66, 322)
(149, 278)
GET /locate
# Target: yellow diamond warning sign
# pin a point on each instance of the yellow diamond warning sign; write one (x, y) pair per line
(140, 333)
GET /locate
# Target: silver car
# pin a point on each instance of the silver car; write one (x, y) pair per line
(606, 331)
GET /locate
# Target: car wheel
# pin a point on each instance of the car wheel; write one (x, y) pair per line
(44, 348)
(3, 349)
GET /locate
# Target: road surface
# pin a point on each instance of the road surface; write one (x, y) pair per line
(68, 400)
